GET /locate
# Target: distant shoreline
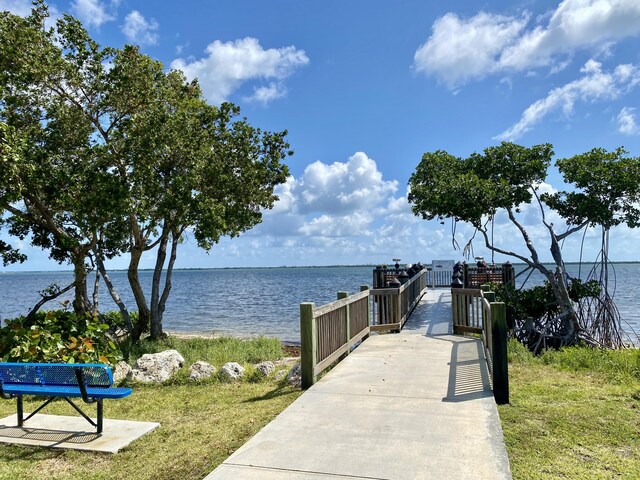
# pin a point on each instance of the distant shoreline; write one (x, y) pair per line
(372, 265)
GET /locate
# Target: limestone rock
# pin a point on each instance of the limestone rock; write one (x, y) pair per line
(295, 376)
(157, 367)
(121, 371)
(232, 371)
(201, 370)
(265, 368)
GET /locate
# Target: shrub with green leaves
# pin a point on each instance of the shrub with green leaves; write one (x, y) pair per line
(539, 301)
(58, 336)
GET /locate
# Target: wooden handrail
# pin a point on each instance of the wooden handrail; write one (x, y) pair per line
(476, 311)
(330, 331)
(393, 306)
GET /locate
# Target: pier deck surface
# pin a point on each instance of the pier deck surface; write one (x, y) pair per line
(414, 405)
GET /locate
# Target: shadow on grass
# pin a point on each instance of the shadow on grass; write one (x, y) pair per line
(279, 391)
(10, 453)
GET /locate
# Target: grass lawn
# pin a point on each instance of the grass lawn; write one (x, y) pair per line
(201, 424)
(574, 413)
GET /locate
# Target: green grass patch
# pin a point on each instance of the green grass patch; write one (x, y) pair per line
(201, 424)
(216, 351)
(574, 413)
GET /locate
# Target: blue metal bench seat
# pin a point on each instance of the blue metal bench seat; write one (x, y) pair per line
(91, 382)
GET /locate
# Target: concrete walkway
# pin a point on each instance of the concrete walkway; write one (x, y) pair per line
(414, 405)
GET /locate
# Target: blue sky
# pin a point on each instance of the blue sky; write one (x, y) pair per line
(366, 87)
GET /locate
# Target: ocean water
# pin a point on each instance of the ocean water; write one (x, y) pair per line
(240, 302)
(251, 301)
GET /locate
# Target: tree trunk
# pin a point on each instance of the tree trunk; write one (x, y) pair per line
(568, 317)
(168, 277)
(81, 304)
(156, 314)
(114, 294)
(96, 290)
(138, 294)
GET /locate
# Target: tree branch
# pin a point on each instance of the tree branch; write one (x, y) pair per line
(504, 252)
(527, 239)
(572, 230)
(31, 316)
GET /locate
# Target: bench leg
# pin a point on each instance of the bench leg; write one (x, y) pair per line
(100, 413)
(20, 411)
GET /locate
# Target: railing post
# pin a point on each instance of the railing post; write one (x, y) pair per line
(399, 309)
(308, 344)
(508, 274)
(347, 329)
(454, 308)
(500, 357)
(362, 289)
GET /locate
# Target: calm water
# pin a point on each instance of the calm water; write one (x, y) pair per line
(242, 302)
(251, 301)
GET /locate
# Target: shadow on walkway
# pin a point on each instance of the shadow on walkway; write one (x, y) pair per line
(468, 373)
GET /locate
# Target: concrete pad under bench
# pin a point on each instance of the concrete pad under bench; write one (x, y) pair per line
(60, 431)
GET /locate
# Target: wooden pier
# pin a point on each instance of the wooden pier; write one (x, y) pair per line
(413, 405)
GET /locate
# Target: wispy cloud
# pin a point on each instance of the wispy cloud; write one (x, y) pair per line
(627, 123)
(22, 8)
(595, 85)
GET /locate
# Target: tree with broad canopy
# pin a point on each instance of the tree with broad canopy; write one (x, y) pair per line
(606, 193)
(108, 154)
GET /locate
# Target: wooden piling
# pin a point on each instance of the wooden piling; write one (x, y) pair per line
(308, 342)
(500, 356)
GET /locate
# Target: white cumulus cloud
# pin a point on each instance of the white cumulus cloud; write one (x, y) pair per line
(627, 123)
(460, 49)
(343, 187)
(228, 65)
(335, 200)
(594, 85)
(139, 30)
(92, 13)
(353, 225)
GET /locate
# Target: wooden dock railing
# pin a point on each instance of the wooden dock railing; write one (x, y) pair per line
(392, 306)
(329, 332)
(476, 311)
